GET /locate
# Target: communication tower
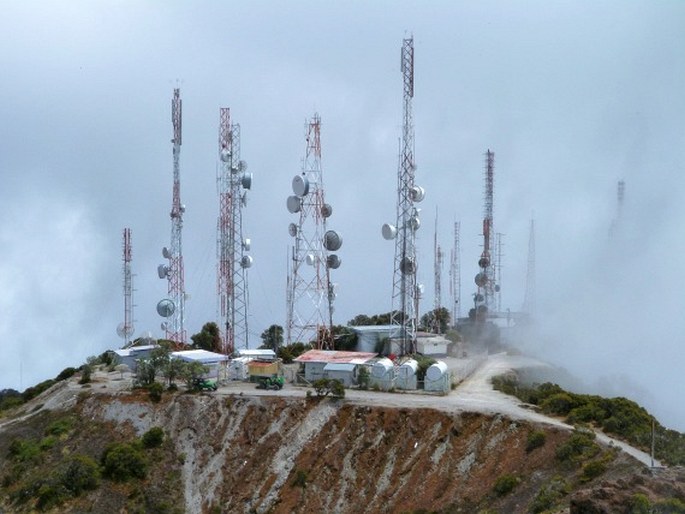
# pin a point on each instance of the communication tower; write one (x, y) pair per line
(499, 247)
(173, 307)
(233, 182)
(125, 329)
(455, 276)
(405, 289)
(529, 298)
(437, 275)
(484, 299)
(309, 291)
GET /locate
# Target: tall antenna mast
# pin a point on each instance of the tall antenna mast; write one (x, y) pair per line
(173, 308)
(455, 276)
(233, 260)
(405, 290)
(310, 293)
(125, 329)
(485, 279)
(529, 298)
(437, 269)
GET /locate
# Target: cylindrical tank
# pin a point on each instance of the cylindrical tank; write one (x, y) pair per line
(436, 371)
(381, 367)
(408, 369)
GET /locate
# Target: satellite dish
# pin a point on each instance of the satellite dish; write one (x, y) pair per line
(246, 180)
(332, 241)
(123, 331)
(310, 259)
(414, 223)
(165, 308)
(246, 261)
(292, 229)
(294, 204)
(389, 231)
(300, 185)
(417, 193)
(333, 261)
(408, 266)
(166, 253)
(163, 271)
(483, 262)
(326, 210)
(225, 155)
(497, 288)
(246, 244)
(481, 279)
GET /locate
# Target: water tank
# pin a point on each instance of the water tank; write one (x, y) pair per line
(381, 367)
(408, 369)
(436, 371)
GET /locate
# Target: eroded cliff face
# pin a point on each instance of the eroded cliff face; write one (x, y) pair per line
(282, 455)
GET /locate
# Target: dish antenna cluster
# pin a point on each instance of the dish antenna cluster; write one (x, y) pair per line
(125, 329)
(173, 307)
(233, 256)
(310, 292)
(406, 292)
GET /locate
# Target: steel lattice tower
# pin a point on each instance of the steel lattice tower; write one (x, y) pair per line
(233, 259)
(310, 293)
(174, 326)
(125, 329)
(485, 279)
(405, 290)
(437, 275)
(455, 276)
(529, 298)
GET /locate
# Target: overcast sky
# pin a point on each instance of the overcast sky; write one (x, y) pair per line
(571, 96)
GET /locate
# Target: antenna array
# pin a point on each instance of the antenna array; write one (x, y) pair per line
(309, 291)
(125, 329)
(233, 182)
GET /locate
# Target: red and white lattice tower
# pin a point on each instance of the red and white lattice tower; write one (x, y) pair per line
(173, 272)
(125, 329)
(455, 276)
(233, 260)
(484, 300)
(405, 289)
(310, 293)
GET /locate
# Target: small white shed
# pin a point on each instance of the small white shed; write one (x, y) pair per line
(210, 359)
(346, 372)
(130, 356)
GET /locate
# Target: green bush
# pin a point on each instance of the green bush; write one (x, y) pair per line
(640, 504)
(22, 450)
(37, 389)
(535, 440)
(300, 478)
(153, 437)
(51, 493)
(60, 426)
(66, 373)
(155, 390)
(558, 403)
(80, 473)
(669, 506)
(86, 372)
(593, 470)
(549, 495)
(505, 484)
(363, 377)
(579, 446)
(122, 461)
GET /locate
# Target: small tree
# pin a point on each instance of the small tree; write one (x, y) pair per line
(363, 377)
(193, 371)
(153, 437)
(272, 337)
(173, 370)
(209, 338)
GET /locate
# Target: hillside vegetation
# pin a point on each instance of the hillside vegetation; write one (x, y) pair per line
(619, 417)
(87, 448)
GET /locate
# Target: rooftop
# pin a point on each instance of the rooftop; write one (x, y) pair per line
(334, 356)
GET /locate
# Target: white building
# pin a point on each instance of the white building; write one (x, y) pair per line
(131, 356)
(315, 362)
(214, 361)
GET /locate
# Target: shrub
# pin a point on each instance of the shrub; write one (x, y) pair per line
(122, 461)
(300, 479)
(81, 473)
(592, 470)
(66, 373)
(558, 403)
(34, 391)
(580, 446)
(535, 440)
(639, 504)
(60, 426)
(153, 437)
(155, 390)
(505, 484)
(363, 377)
(326, 386)
(86, 371)
(51, 493)
(22, 450)
(549, 495)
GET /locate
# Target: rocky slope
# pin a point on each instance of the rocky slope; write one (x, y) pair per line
(242, 453)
